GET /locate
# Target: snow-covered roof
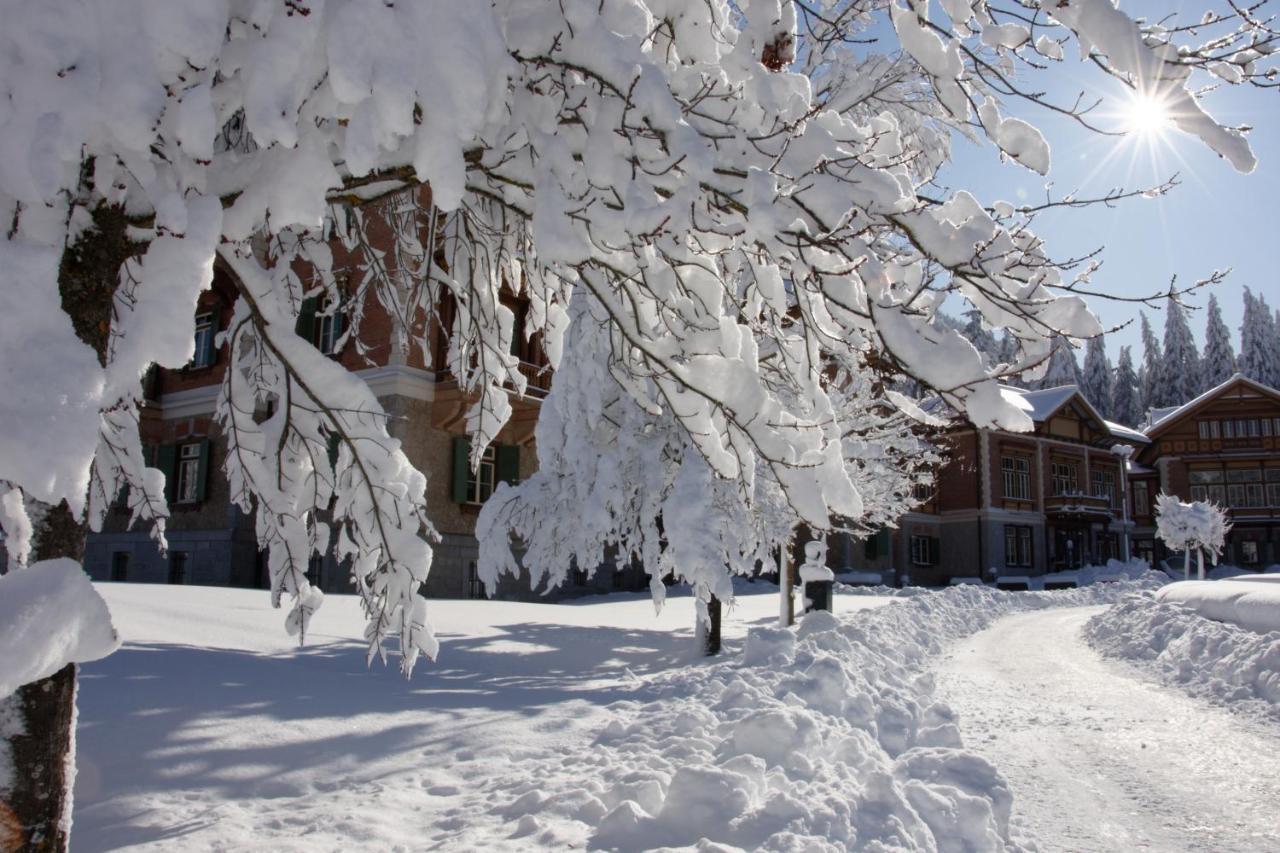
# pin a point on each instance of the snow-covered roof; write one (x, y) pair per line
(1159, 418)
(1043, 402)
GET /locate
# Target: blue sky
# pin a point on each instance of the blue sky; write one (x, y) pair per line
(1215, 219)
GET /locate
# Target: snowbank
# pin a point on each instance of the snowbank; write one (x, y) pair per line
(825, 738)
(1251, 604)
(1215, 660)
(50, 615)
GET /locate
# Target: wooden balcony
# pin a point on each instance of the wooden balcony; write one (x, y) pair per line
(1079, 506)
(538, 378)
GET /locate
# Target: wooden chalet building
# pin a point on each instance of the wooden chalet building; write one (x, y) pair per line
(1224, 447)
(1015, 505)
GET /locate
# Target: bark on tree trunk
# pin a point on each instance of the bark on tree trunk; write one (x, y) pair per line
(38, 807)
(35, 814)
(709, 633)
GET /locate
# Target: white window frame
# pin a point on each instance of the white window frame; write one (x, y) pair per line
(922, 551)
(326, 339)
(1017, 477)
(1066, 474)
(188, 473)
(204, 331)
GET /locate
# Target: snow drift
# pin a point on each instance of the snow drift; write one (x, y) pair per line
(50, 615)
(1215, 660)
(821, 738)
(1251, 604)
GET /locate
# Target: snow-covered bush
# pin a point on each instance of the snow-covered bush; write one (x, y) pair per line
(716, 206)
(1196, 527)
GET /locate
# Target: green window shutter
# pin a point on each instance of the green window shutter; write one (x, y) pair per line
(935, 548)
(508, 464)
(202, 476)
(167, 461)
(869, 547)
(211, 349)
(306, 325)
(461, 467)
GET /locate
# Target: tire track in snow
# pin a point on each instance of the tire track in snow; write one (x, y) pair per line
(1099, 759)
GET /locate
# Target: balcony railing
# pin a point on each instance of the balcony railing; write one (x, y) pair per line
(538, 378)
(1079, 504)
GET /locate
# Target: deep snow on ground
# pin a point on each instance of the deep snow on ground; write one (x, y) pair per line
(542, 726)
(1218, 661)
(1249, 603)
(1100, 760)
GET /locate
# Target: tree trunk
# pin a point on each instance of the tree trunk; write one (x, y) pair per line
(786, 597)
(709, 631)
(38, 807)
(36, 815)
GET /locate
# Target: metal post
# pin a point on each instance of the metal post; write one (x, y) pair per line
(786, 600)
(1124, 451)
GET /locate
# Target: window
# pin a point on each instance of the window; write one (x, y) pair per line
(500, 463)
(1253, 495)
(1017, 546)
(1207, 485)
(921, 493)
(1266, 427)
(1065, 481)
(480, 481)
(1017, 477)
(1272, 476)
(475, 586)
(1141, 498)
(1214, 432)
(1252, 424)
(1104, 486)
(330, 331)
(1204, 429)
(924, 550)
(1228, 429)
(177, 567)
(204, 355)
(120, 566)
(1249, 551)
(188, 473)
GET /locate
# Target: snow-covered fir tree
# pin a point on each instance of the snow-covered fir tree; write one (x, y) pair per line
(1259, 350)
(1063, 369)
(1124, 392)
(1096, 377)
(1007, 354)
(1179, 377)
(976, 331)
(1149, 372)
(1219, 362)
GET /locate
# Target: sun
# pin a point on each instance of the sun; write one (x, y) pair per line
(1146, 115)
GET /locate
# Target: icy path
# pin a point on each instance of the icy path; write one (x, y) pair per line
(1099, 759)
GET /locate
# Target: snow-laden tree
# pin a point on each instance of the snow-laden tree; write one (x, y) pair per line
(976, 333)
(728, 187)
(1124, 392)
(1259, 342)
(1189, 528)
(1219, 362)
(1149, 373)
(1096, 379)
(1062, 369)
(1179, 376)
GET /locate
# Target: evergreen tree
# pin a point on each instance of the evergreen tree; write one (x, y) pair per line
(1259, 349)
(1179, 376)
(1219, 359)
(1124, 392)
(1150, 374)
(1063, 368)
(980, 336)
(1096, 379)
(1007, 353)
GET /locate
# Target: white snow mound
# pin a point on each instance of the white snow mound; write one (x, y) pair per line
(50, 615)
(1252, 605)
(1214, 660)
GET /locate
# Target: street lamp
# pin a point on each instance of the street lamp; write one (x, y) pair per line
(1124, 451)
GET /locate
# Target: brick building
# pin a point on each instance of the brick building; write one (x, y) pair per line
(213, 542)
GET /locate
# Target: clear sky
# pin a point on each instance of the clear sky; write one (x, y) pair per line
(1215, 219)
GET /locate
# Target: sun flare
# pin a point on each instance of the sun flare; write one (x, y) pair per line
(1146, 115)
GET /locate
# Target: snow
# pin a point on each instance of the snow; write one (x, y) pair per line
(1248, 603)
(541, 726)
(1182, 645)
(50, 616)
(1097, 756)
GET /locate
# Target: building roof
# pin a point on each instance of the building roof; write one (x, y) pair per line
(1042, 403)
(1158, 419)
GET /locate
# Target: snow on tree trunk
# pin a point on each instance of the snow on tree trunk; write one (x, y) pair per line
(708, 630)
